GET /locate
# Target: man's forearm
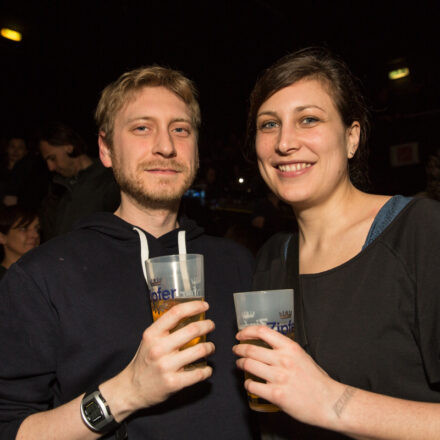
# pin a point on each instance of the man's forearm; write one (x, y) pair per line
(63, 422)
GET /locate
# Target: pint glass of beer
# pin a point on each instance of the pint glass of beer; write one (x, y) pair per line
(273, 308)
(173, 279)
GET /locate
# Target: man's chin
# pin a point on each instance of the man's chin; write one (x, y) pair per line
(159, 200)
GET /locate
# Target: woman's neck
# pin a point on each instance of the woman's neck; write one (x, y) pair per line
(334, 231)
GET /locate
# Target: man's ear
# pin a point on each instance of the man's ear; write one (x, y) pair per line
(69, 149)
(353, 138)
(104, 151)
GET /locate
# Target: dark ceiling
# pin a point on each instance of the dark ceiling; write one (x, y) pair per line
(71, 50)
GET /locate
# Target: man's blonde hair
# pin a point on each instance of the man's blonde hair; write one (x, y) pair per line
(121, 91)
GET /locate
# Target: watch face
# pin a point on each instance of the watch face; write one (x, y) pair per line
(93, 412)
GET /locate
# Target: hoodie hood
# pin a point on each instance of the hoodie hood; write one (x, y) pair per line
(113, 226)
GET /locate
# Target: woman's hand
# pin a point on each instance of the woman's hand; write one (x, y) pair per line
(294, 382)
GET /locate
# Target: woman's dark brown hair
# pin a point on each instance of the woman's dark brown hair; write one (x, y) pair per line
(320, 64)
(16, 216)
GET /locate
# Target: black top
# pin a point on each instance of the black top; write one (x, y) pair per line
(72, 313)
(374, 321)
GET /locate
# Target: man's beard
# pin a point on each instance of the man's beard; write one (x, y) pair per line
(160, 194)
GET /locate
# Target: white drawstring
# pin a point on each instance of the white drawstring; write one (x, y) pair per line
(181, 242)
(145, 252)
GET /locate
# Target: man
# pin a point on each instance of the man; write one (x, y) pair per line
(81, 185)
(73, 313)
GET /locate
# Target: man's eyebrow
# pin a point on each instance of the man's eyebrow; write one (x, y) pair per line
(150, 118)
(182, 120)
(139, 118)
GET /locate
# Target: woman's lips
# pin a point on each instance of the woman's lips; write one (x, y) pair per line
(293, 169)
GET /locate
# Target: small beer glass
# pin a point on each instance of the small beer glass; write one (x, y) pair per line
(174, 279)
(273, 308)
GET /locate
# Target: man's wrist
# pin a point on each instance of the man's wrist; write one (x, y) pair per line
(118, 397)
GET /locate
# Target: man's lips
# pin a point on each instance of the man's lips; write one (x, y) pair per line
(162, 171)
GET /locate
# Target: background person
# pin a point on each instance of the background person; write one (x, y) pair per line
(24, 179)
(80, 186)
(19, 233)
(367, 363)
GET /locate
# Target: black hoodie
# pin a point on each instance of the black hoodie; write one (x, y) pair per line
(72, 313)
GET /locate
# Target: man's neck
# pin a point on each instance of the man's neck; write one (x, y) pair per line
(156, 221)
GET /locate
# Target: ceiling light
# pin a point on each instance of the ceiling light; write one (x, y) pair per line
(398, 73)
(10, 34)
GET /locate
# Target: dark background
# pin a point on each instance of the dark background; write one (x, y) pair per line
(71, 50)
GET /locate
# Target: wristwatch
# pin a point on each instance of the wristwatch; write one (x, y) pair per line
(96, 413)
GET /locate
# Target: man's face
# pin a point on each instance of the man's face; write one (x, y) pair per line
(154, 153)
(58, 159)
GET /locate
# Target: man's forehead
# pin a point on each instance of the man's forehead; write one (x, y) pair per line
(150, 100)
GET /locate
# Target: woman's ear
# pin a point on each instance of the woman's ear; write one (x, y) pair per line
(3, 239)
(353, 138)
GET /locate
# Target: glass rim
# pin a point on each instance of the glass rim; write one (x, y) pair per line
(174, 257)
(263, 292)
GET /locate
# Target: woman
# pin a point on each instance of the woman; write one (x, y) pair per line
(19, 233)
(368, 264)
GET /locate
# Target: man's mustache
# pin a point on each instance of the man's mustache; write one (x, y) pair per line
(163, 165)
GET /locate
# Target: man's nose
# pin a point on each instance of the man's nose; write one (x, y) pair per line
(164, 145)
(51, 165)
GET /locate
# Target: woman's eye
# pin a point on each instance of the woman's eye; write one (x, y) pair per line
(268, 125)
(309, 120)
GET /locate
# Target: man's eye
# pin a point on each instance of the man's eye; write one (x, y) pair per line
(181, 130)
(141, 128)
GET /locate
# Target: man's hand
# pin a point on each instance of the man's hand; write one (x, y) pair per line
(157, 369)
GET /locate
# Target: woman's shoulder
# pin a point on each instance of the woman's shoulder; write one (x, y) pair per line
(418, 220)
(420, 209)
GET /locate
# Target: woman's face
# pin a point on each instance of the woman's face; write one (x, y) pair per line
(302, 144)
(21, 239)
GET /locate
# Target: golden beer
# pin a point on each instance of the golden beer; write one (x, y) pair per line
(160, 306)
(255, 402)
